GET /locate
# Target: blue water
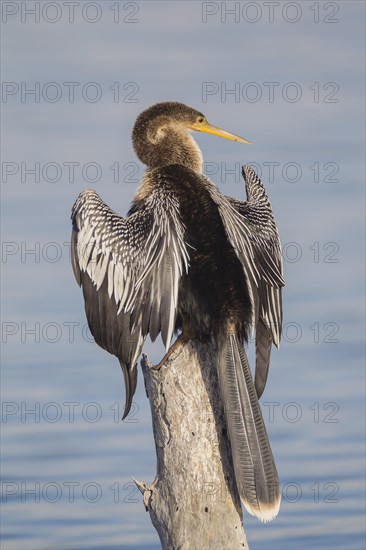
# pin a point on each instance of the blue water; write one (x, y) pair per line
(68, 461)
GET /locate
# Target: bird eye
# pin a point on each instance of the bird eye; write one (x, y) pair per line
(200, 119)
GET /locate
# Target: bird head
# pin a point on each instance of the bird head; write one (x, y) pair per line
(161, 135)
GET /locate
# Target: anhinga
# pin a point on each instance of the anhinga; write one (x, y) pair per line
(188, 257)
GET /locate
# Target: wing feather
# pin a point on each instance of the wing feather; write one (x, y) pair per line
(130, 269)
(252, 231)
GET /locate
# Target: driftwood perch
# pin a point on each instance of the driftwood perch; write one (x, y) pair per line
(193, 501)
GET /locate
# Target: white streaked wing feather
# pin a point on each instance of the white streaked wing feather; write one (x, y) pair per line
(130, 253)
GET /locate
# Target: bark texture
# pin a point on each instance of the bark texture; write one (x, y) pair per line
(193, 501)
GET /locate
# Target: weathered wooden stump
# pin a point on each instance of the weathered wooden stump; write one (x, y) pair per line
(193, 501)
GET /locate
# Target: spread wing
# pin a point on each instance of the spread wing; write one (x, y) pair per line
(252, 230)
(129, 270)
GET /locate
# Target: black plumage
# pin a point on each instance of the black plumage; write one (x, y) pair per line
(189, 258)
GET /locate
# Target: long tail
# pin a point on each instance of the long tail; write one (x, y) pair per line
(254, 467)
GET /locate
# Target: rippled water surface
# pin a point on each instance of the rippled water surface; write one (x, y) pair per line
(67, 466)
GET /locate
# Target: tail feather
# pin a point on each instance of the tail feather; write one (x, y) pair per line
(130, 377)
(254, 467)
(263, 345)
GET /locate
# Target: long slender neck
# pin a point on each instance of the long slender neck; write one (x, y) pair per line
(158, 145)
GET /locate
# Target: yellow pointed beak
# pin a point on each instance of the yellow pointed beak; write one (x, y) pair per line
(209, 129)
